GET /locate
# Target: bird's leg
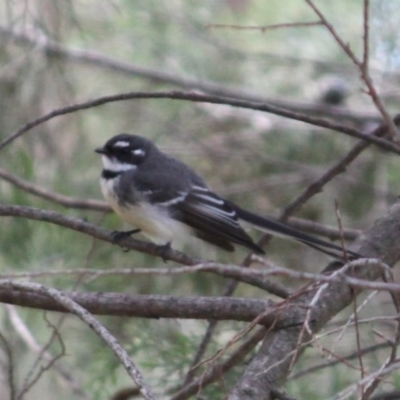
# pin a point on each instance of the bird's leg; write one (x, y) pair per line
(165, 248)
(117, 236)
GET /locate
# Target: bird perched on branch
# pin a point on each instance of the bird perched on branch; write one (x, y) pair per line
(166, 200)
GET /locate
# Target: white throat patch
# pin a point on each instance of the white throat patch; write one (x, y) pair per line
(112, 164)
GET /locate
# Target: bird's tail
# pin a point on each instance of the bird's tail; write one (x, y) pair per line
(279, 229)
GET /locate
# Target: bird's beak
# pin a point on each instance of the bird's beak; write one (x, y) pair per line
(100, 150)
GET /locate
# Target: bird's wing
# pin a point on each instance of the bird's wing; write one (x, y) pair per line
(213, 219)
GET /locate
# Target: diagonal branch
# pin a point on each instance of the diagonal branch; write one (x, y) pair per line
(335, 170)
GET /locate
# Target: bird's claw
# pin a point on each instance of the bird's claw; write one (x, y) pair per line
(117, 236)
(165, 248)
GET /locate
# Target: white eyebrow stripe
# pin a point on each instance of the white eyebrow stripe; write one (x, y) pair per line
(121, 143)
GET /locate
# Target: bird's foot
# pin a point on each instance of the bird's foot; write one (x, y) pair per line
(165, 248)
(117, 236)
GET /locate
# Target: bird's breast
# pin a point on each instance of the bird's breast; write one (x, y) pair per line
(154, 222)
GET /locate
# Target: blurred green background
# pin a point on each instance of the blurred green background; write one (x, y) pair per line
(258, 160)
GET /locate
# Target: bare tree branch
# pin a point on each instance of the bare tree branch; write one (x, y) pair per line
(195, 97)
(96, 232)
(147, 306)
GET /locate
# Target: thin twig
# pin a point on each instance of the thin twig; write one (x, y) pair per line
(336, 169)
(373, 385)
(329, 364)
(365, 62)
(219, 369)
(254, 278)
(23, 332)
(265, 28)
(340, 225)
(393, 131)
(358, 343)
(10, 366)
(211, 328)
(66, 201)
(384, 370)
(32, 378)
